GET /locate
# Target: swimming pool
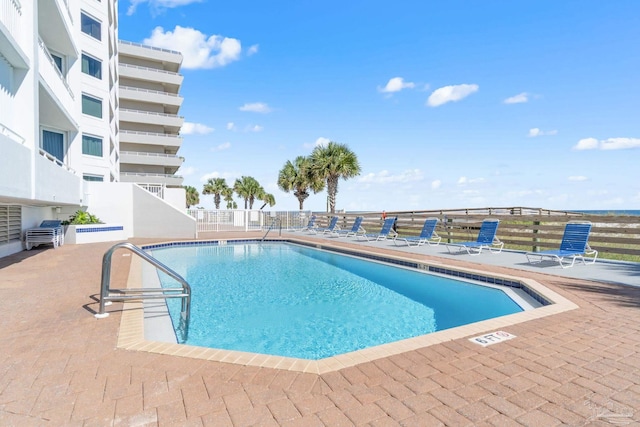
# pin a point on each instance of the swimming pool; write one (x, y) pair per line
(295, 301)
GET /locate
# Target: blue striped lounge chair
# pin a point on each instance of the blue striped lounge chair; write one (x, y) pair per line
(385, 232)
(574, 245)
(486, 239)
(310, 225)
(355, 230)
(332, 226)
(428, 235)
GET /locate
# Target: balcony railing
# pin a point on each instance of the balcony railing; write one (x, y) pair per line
(66, 6)
(45, 51)
(11, 134)
(149, 47)
(55, 160)
(138, 153)
(10, 15)
(158, 92)
(151, 113)
(137, 67)
(135, 132)
(158, 175)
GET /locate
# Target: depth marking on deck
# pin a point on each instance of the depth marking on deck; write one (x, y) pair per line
(492, 338)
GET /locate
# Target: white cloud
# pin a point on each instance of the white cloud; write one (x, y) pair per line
(210, 175)
(255, 128)
(396, 84)
(384, 176)
(537, 132)
(252, 50)
(620, 143)
(231, 126)
(578, 178)
(436, 184)
(322, 141)
(517, 99)
(463, 180)
(198, 50)
(158, 6)
(586, 144)
(607, 144)
(221, 147)
(451, 94)
(189, 128)
(256, 107)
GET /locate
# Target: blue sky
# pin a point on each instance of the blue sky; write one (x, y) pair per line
(446, 104)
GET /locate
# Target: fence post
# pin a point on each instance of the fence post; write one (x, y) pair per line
(535, 239)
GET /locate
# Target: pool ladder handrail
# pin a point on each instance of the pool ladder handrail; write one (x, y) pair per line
(106, 297)
(273, 223)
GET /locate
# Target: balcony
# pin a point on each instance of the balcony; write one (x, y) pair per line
(151, 138)
(151, 178)
(168, 78)
(12, 34)
(171, 59)
(55, 182)
(171, 122)
(170, 100)
(57, 101)
(55, 26)
(15, 175)
(155, 159)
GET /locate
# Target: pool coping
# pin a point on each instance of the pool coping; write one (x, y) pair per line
(131, 333)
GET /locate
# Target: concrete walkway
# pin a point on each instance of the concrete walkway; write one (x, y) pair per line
(60, 366)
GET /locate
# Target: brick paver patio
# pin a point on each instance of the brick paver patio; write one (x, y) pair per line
(60, 365)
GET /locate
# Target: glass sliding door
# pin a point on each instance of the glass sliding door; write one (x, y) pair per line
(53, 143)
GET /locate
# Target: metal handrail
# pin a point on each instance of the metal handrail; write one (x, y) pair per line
(143, 293)
(273, 223)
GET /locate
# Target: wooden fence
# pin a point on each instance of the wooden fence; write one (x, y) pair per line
(528, 229)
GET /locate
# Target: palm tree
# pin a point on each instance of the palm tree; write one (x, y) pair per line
(248, 188)
(228, 197)
(268, 199)
(332, 162)
(298, 176)
(193, 197)
(215, 186)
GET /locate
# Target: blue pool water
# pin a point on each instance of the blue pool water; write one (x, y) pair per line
(290, 300)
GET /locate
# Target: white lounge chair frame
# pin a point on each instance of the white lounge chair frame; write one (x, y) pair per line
(574, 245)
(486, 239)
(385, 231)
(428, 235)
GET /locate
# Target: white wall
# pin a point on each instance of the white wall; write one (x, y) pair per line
(141, 213)
(155, 218)
(15, 169)
(112, 202)
(176, 197)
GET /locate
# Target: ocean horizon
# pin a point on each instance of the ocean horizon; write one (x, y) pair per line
(632, 212)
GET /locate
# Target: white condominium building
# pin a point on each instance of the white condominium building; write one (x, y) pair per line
(60, 148)
(149, 120)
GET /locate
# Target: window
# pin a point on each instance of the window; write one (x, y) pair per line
(53, 143)
(91, 106)
(91, 66)
(92, 178)
(90, 26)
(58, 60)
(91, 145)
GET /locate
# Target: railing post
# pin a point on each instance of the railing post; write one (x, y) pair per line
(535, 239)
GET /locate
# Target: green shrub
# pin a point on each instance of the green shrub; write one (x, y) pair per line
(82, 217)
